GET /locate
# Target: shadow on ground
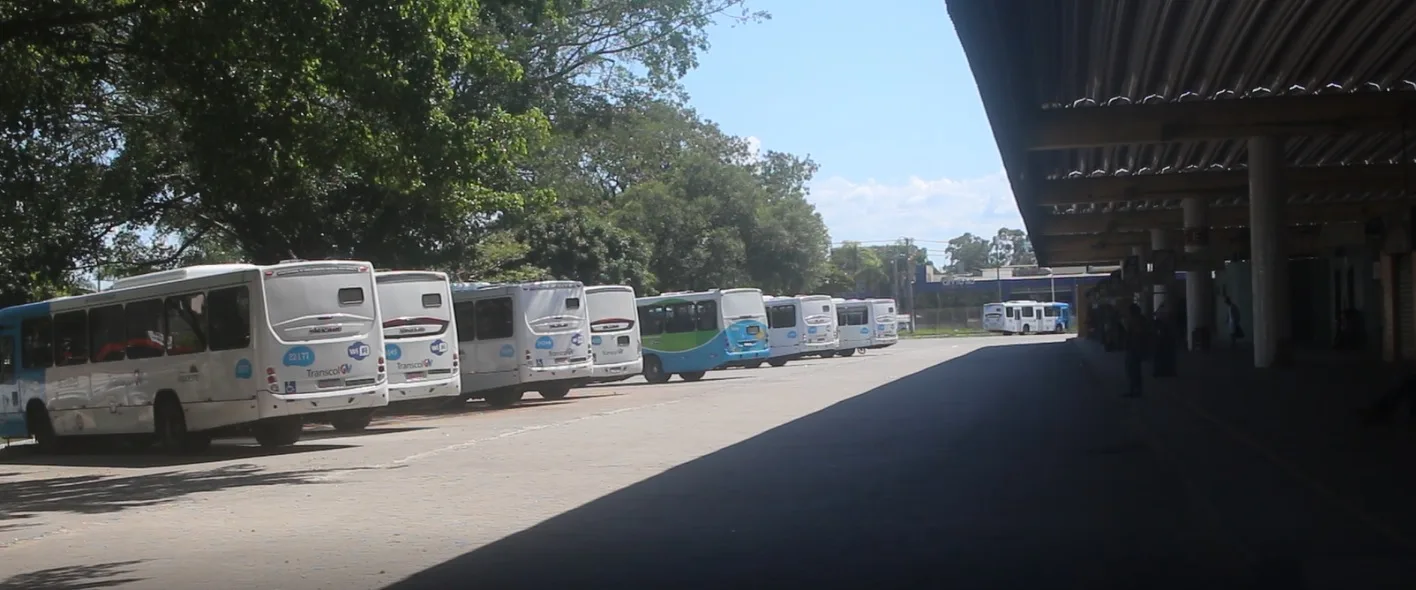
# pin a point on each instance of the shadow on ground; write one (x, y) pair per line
(82, 577)
(100, 494)
(980, 472)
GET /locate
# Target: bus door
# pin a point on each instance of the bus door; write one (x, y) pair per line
(12, 412)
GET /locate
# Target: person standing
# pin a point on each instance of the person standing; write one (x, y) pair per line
(1137, 339)
(1236, 329)
(1163, 347)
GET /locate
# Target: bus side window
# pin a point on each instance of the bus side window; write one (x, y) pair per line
(464, 314)
(707, 315)
(7, 360)
(147, 337)
(680, 318)
(494, 319)
(651, 320)
(781, 316)
(229, 318)
(186, 324)
(107, 341)
(36, 346)
(71, 338)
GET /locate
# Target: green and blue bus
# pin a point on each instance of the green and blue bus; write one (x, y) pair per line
(690, 333)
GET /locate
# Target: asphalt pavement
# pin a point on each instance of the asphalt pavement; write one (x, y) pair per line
(954, 462)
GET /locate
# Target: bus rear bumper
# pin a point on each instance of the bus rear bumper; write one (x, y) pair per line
(418, 390)
(273, 405)
(742, 359)
(616, 371)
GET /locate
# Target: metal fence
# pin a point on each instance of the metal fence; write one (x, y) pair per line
(949, 318)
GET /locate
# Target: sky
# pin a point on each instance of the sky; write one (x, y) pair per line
(881, 98)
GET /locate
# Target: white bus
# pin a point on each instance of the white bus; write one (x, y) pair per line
(853, 320)
(419, 336)
(799, 327)
(885, 329)
(178, 356)
(515, 338)
(614, 333)
(1025, 317)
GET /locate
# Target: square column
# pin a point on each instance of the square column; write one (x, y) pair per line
(1160, 240)
(1268, 271)
(1199, 284)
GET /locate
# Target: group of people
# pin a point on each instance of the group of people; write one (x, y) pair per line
(1156, 339)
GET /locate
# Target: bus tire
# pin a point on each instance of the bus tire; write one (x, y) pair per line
(170, 426)
(778, 362)
(654, 370)
(848, 352)
(352, 420)
(279, 432)
(41, 427)
(753, 365)
(554, 392)
(1027, 329)
(503, 399)
(692, 376)
(828, 354)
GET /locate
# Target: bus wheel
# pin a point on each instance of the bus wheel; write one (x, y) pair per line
(777, 362)
(352, 420)
(692, 376)
(503, 399)
(279, 432)
(170, 423)
(42, 429)
(1027, 329)
(828, 354)
(654, 370)
(848, 352)
(554, 392)
(754, 365)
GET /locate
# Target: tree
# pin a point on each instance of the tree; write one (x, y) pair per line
(968, 254)
(1011, 246)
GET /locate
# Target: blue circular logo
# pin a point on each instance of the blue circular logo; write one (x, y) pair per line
(864, 330)
(507, 351)
(392, 352)
(243, 369)
(811, 330)
(299, 356)
(545, 343)
(596, 340)
(792, 335)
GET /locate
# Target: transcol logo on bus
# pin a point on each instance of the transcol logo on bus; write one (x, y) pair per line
(423, 364)
(343, 369)
(438, 347)
(359, 351)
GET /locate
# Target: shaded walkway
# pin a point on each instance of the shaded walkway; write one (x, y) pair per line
(1003, 468)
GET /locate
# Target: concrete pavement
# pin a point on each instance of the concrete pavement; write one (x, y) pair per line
(975, 463)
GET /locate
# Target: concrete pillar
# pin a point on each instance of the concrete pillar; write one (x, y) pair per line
(1160, 241)
(1199, 284)
(1268, 271)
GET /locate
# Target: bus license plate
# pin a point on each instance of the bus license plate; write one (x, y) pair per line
(416, 375)
(752, 330)
(327, 383)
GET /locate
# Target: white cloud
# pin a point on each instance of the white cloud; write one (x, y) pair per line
(937, 210)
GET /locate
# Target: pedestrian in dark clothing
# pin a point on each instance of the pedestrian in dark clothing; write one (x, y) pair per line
(1236, 330)
(1163, 347)
(1137, 336)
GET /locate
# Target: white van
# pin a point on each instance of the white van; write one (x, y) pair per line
(885, 329)
(419, 335)
(853, 320)
(614, 333)
(179, 356)
(521, 337)
(799, 327)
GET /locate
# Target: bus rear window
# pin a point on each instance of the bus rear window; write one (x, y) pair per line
(351, 296)
(432, 300)
(572, 303)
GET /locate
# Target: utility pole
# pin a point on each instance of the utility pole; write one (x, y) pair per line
(910, 281)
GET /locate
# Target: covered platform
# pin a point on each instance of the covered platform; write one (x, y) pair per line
(1265, 147)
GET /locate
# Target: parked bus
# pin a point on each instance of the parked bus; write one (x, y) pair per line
(515, 338)
(799, 327)
(853, 319)
(693, 333)
(177, 356)
(419, 333)
(886, 330)
(614, 333)
(1026, 317)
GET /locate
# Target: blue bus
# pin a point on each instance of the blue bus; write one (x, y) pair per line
(693, 333)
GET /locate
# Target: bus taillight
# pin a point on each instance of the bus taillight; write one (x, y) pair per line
(381, 364)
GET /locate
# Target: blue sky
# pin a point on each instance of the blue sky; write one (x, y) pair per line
(882, 98)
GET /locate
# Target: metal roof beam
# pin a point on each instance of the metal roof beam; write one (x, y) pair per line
(1224, 183)
(1305, 214)
(1329, 114)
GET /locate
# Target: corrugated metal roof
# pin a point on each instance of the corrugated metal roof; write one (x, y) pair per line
(1092, 53)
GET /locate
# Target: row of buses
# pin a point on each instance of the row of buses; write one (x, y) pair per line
(179, 357)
